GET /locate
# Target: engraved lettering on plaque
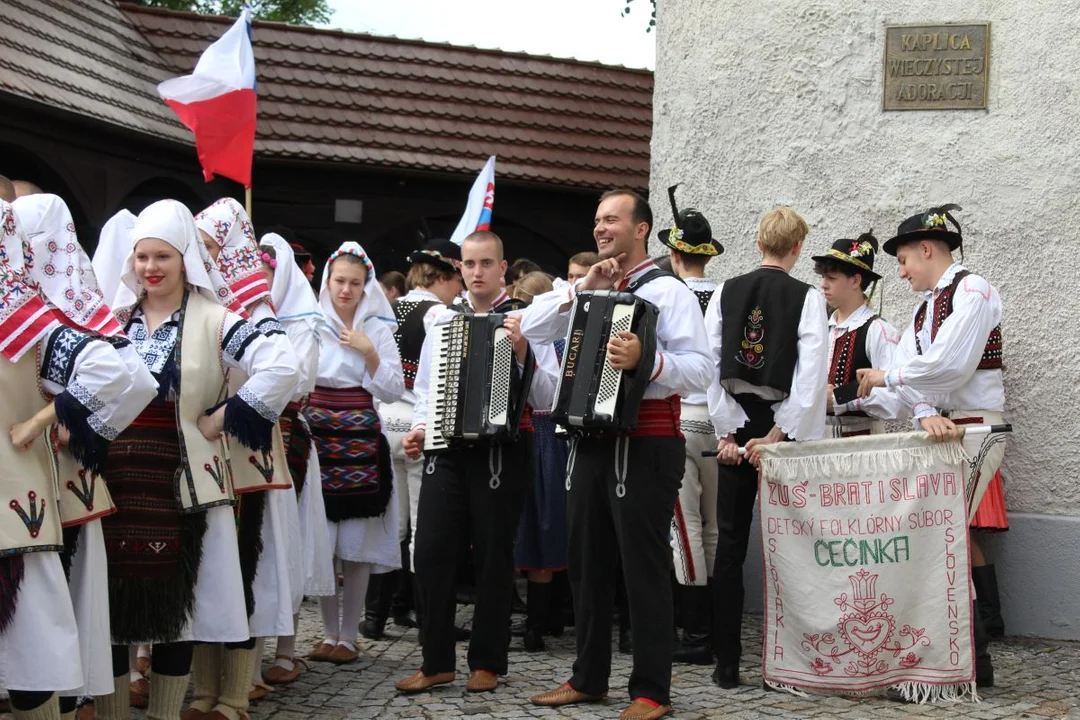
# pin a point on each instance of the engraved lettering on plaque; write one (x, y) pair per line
(936, 67)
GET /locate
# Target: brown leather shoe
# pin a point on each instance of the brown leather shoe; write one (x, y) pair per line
(642, 709)
(321, 651)
(419, 682)
(482, 681)
(85, 712)
(258, 691)
(140, 693)
(142, 664)
(341, 655)
(278, 675)
(564, 695)
(193, 714)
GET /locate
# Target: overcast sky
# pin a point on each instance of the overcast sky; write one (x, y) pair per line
(582, 29)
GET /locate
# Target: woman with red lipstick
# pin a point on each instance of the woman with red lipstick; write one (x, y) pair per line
(174, 569)
(269, 523)
(358, 363)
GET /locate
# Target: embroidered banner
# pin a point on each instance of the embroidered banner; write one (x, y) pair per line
(867, 578)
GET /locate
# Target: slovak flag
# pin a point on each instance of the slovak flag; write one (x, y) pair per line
(481, 203)
(217, 102)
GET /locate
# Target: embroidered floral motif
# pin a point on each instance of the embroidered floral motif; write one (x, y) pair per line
(265, 467)
(217, 471)
(85, 489)
(35, 518)
(752, 352)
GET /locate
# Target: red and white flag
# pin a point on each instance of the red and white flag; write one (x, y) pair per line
(480, 205)
(217, 102)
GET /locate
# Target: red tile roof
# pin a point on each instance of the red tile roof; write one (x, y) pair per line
(326, 95)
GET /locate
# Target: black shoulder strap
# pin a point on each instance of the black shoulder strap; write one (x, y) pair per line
(955, 284)
(649, 277)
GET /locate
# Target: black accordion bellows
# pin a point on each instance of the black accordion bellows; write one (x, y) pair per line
(592, 396)
(476, 391)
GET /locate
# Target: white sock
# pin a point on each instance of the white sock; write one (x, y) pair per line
(352, 601)
(329, 608)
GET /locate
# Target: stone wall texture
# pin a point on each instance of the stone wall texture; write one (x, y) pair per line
(779, 103)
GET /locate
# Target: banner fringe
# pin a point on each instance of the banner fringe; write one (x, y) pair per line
(921, 693)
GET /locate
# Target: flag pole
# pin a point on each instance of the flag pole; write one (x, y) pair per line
(247, 201)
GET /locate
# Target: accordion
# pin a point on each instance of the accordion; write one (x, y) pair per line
(475, 390)
(591, 396)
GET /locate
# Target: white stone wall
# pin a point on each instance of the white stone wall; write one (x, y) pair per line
(759, 104)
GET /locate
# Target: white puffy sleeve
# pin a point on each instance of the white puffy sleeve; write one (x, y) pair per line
(547, 318)
(388, 383)
(726, 414)
(882, 341)
(801, 415)
(545, 378)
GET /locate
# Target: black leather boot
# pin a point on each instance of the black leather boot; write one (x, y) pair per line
(377, 605)
(538, 603)
(986, 597)
(695, 647)
(984, 666)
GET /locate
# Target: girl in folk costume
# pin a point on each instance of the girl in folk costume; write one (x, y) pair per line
(298, 310)
(269, 524)
(540, 549)
(66, 278)
(358, 363)
(51, 374)
(113, 245)
(174, 568)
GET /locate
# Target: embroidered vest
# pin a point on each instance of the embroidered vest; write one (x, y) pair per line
(703, 298)
(849, 355)
(83, 493)
(253, 470)
(204, 479)
(943, 307)
(760, 313)
(29, 516)
(410, 334)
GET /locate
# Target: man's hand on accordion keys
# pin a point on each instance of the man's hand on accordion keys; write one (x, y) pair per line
(413, 443)
(512, 323)
(624, 351)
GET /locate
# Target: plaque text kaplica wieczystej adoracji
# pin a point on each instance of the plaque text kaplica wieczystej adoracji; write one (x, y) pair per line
(936, 67)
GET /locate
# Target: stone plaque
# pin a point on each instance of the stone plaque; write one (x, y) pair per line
(936, 67)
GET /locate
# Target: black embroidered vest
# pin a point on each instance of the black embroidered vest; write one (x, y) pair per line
(410, 334)
(760, 312)
(848, 355)
(703, 298)
(943, 307)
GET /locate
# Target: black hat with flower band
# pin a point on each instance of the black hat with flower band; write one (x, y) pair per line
(858, 253)
(930, 225)
(439, 252)
(691, 234)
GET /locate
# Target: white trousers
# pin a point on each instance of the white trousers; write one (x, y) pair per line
(693, 527)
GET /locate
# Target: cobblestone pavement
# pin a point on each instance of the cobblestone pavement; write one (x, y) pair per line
(1035, 679)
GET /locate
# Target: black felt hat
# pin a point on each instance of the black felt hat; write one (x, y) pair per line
(930, 225)
(438, 252)
(859, 254)
(692, 233)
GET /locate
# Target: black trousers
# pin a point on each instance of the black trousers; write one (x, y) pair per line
(736, 490)
(608, 524)
(473, 494)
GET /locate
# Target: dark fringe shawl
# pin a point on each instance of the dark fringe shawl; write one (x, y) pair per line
(245, 424)
(89, 448)
(249, 538)
(71, 546)
(297, 437)
(157, 608)
(11, 575)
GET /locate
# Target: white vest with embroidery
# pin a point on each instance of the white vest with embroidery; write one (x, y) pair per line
(83, 494)
(29, 518)
(253, 470)
(204, 478)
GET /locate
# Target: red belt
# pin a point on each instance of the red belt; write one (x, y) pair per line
(157, 415)
(659, 418)
(526, 420)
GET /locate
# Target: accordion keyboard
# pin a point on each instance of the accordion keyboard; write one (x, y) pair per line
(448, 349)
(607, 391)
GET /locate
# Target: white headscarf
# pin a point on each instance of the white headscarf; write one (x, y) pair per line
(62, 268)
(24, 316)
(170, 221)
(113, 246)
(228, 224)
(373, 306)
(291, 294)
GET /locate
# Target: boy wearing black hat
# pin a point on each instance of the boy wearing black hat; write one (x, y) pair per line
(768, 335)
(947, 367)
(693, 528)
(435, 283)
(858, 338)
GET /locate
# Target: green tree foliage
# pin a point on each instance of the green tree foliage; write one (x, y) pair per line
(294, 12)
(652, 17)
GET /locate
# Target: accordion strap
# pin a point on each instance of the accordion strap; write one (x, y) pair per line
(648, 278)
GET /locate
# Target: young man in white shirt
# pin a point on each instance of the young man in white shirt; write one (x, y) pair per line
(768, 333)
(693, 528)
(947, 368)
